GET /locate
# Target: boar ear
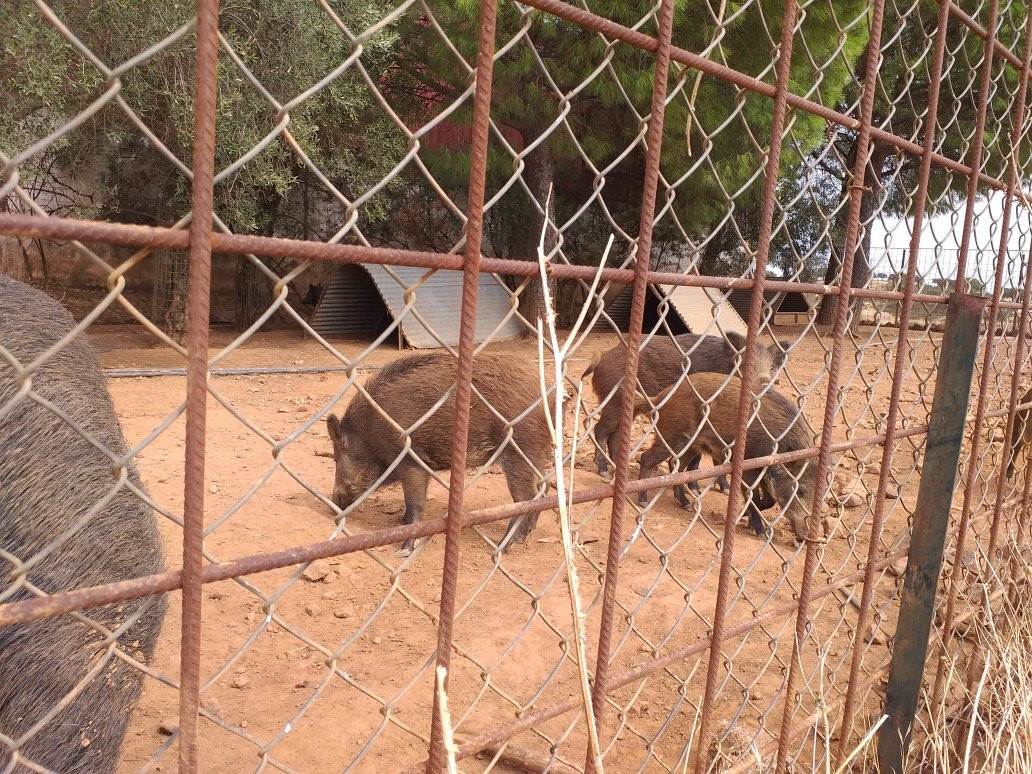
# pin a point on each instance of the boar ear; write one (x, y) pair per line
(736, 340)
(333, 428)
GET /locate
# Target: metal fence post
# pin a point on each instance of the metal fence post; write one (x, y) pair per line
(931, 519)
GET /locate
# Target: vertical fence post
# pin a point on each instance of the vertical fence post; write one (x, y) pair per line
(621, 463)
(903, 312)
(198, 307)
(464, 371)
(745, 403)
(931, 519)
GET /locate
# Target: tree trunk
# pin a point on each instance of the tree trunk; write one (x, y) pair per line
(538, 174)
(725, 254)
(869, 201)
(253, 296)
(171, 284)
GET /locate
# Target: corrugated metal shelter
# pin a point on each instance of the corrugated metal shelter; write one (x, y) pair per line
(361, 299)
(795, 308)
(786, 308)
(676, 310)
(704, 311)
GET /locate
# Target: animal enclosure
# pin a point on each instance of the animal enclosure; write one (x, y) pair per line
(868, 155)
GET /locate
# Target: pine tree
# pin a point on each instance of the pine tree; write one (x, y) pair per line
(716, 156)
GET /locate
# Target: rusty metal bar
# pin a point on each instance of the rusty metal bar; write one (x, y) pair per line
(1026, 296)
(842, 313)
(746, 397)
(931, 522)
(984, 79)
(878, 519)
(198, 307)
(611, 29)
(145, 373)
(621, 462)
(464, 371)
(968, 21)
(1013, 181)
(34, 226)
(537, 717)
(57, 604)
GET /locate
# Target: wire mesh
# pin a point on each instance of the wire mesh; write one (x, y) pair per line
(749, 218)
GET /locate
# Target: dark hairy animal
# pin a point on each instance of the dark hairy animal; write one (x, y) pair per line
(1021, 434)
(660, 364)
(67, 513)
(702, 416)
(313, 295)
(365, 444)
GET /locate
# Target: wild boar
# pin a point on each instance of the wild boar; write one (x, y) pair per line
(366, 445)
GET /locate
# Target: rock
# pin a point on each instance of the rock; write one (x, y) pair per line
(214, 489)
(852, 500)
(898, 567)
(242, 724)
(377, 640)
(318, 572)
(212, 705)
(344, 612)
(312, 609)
(169, 726)
(392, 508)
(241, 681)
(874, 635)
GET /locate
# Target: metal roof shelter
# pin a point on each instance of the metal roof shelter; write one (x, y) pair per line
(361, 299)
(681, 309)
(784, 307)
(704, 310)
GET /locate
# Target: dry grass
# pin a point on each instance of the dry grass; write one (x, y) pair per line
(982, 722)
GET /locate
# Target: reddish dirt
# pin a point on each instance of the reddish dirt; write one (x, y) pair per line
(310, 675)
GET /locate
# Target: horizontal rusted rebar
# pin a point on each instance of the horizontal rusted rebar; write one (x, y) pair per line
(127, 235)
(641, 671)
(968, 21)
(80, 599)
(727, 74)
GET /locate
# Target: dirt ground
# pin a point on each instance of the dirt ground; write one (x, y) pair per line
(320, 668)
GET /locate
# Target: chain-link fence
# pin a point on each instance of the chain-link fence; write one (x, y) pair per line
(746, 220)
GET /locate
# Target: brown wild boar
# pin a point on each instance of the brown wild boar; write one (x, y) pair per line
(67, 512)
(366, 445)
(1020, 434)
(661, 364)
(685, 420)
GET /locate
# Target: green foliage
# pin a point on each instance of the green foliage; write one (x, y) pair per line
(554, 66)
(288, 45)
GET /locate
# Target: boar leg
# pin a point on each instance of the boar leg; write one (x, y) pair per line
(679, 490)
(522, 481)
(605, 432)
(414, 481)
(650, 460)
(750, 490)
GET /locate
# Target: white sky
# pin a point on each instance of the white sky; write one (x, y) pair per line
(891, 241)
